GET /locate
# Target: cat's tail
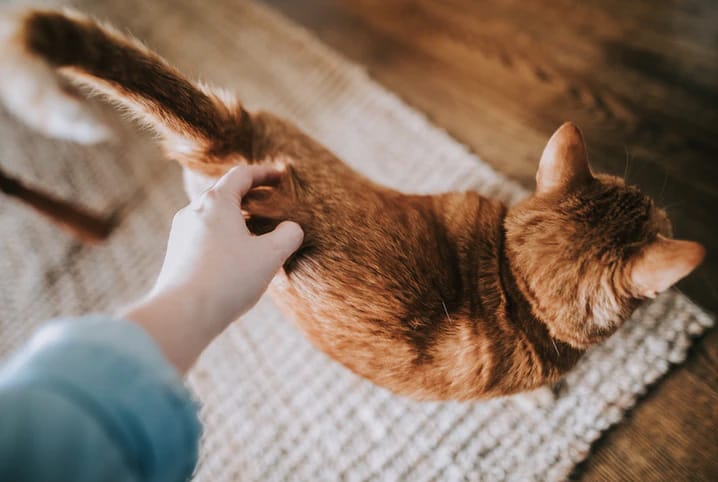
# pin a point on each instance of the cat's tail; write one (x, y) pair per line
(40, 49)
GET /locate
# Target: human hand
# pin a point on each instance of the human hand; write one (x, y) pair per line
(211, 255)
(215, 269)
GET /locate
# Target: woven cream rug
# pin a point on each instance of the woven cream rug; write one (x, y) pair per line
(275, 408)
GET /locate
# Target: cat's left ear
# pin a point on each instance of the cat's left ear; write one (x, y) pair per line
(662, 264)
(564, 162)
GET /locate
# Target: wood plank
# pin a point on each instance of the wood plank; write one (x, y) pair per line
(640, 78)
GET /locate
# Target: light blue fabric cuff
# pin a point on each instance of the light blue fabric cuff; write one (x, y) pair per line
(116, 372)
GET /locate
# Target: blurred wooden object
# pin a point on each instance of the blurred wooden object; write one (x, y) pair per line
(640, 78)
(86, 226)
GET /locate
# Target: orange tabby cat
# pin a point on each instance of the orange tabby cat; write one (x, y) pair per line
(451, 296)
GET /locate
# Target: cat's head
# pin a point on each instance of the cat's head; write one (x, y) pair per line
(587, 248)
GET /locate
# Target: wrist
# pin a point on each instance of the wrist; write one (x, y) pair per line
(179, 321)
(187, 305)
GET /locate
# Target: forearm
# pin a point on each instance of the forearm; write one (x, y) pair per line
(182, 324)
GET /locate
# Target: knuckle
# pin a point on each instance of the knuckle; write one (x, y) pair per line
(211, 194)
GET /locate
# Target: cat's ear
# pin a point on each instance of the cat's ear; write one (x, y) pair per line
(564, 162)
(662, 264)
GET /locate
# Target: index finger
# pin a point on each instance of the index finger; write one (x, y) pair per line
(239, 180)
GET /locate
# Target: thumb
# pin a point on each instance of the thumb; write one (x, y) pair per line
(283, 241)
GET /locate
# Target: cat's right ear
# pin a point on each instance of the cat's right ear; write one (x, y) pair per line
(564, 162)
(662, 264)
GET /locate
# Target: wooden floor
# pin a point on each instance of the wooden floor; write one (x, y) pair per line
(641, 79)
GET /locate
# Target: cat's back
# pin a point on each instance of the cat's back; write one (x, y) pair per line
(393, 285)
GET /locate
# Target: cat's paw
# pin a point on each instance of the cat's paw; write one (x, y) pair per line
(537, 399)
(34, 92)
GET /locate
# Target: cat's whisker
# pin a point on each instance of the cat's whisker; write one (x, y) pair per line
(446, 311)
(554, 346)
(627, 169)
(673, 205)
(663, 188)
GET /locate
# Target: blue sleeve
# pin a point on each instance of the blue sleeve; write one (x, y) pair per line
(93, 399)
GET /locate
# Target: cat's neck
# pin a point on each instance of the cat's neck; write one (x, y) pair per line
(561, 286)
(518, 309)
(491, 305)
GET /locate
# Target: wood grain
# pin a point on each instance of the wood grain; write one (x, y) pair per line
(640, 78)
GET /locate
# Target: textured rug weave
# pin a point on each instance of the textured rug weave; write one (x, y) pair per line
(275, 408)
